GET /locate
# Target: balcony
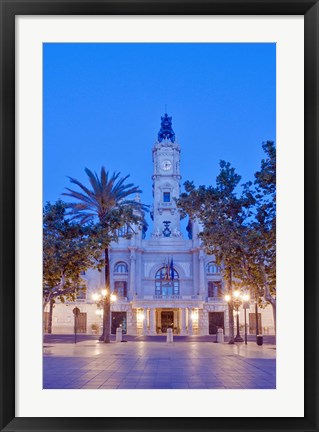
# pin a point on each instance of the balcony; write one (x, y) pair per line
(167, 297)
(216, 299)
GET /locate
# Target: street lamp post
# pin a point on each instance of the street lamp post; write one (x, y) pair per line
(100, 299)
(235, 300)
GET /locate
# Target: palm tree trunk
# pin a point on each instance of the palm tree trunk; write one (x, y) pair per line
(107, 301)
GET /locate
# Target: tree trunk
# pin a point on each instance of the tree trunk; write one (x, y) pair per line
(230, 307)
(50, 316)
(44, 305)
(269, 298)
(107, 301)
(274, 314)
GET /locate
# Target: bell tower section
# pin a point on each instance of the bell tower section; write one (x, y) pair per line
(166, 182)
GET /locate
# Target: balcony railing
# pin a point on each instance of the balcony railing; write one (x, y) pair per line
(214, 299)
(167, 297)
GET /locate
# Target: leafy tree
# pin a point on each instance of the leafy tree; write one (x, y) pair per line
(222, 214)
(260, 239)
(240, 228)
(109, 207)
(67, 251)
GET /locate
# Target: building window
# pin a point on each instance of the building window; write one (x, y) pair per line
(167, 282)
(215, 289)
(120, 289)
(213, 268)
(166, 197)
(120, 267)
(81, 293)
(124, 231)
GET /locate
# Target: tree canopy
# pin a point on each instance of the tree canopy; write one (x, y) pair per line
(68, 250)
(239, 224)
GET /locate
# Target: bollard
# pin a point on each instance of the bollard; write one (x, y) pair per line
(169, 335)
(260, 340)
(119, 334)
(220, 335)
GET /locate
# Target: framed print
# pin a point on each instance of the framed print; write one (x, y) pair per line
(155, 157)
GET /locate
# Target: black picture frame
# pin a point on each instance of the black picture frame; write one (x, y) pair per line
(9, 10)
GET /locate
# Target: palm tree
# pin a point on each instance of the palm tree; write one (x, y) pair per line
(108, 206)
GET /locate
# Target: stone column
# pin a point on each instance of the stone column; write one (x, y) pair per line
(202, 322)
(183, 321)
(152, 321)
(145, 321)
(190, 322)
(202, 288)
(195, 274)
(134, 330)
(132, 275)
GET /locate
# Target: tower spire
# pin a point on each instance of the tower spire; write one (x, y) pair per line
(166, 131)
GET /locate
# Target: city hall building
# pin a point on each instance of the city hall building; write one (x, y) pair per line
(166, 280)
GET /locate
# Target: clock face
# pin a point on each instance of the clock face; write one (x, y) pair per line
(166, 165)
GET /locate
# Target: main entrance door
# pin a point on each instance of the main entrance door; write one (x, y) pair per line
(167, 320)
(118, 320)
(216, 321)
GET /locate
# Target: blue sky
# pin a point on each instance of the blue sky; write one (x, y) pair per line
(103, 104)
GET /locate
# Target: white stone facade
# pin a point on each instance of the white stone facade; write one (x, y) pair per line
(191, 302)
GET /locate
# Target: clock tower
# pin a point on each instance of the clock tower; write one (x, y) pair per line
(166, 182)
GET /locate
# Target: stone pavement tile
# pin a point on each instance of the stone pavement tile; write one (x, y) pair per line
(179, 385)
(179, 378)
(197, 386)
(95, 383)
(129, 383)
(107, 387)
(126, 386)
(70, 386)
(132, 377)
(162, 386)
(113, 381)
(234, 386)
(92, 387)
(146, 381)
(145, 386)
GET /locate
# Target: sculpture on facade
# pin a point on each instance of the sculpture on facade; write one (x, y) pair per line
(156, 233)
(166, 231)
(177, 233)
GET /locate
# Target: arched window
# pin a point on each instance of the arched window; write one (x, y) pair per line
(166, 282)
(120, 267)
(212, 268)
(124, 231)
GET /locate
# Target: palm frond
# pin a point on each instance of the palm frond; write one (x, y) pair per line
(81, 197)
(81, 186)
(109, 193)
(94, 180)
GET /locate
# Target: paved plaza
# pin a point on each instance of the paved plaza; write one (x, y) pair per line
(155, 364)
